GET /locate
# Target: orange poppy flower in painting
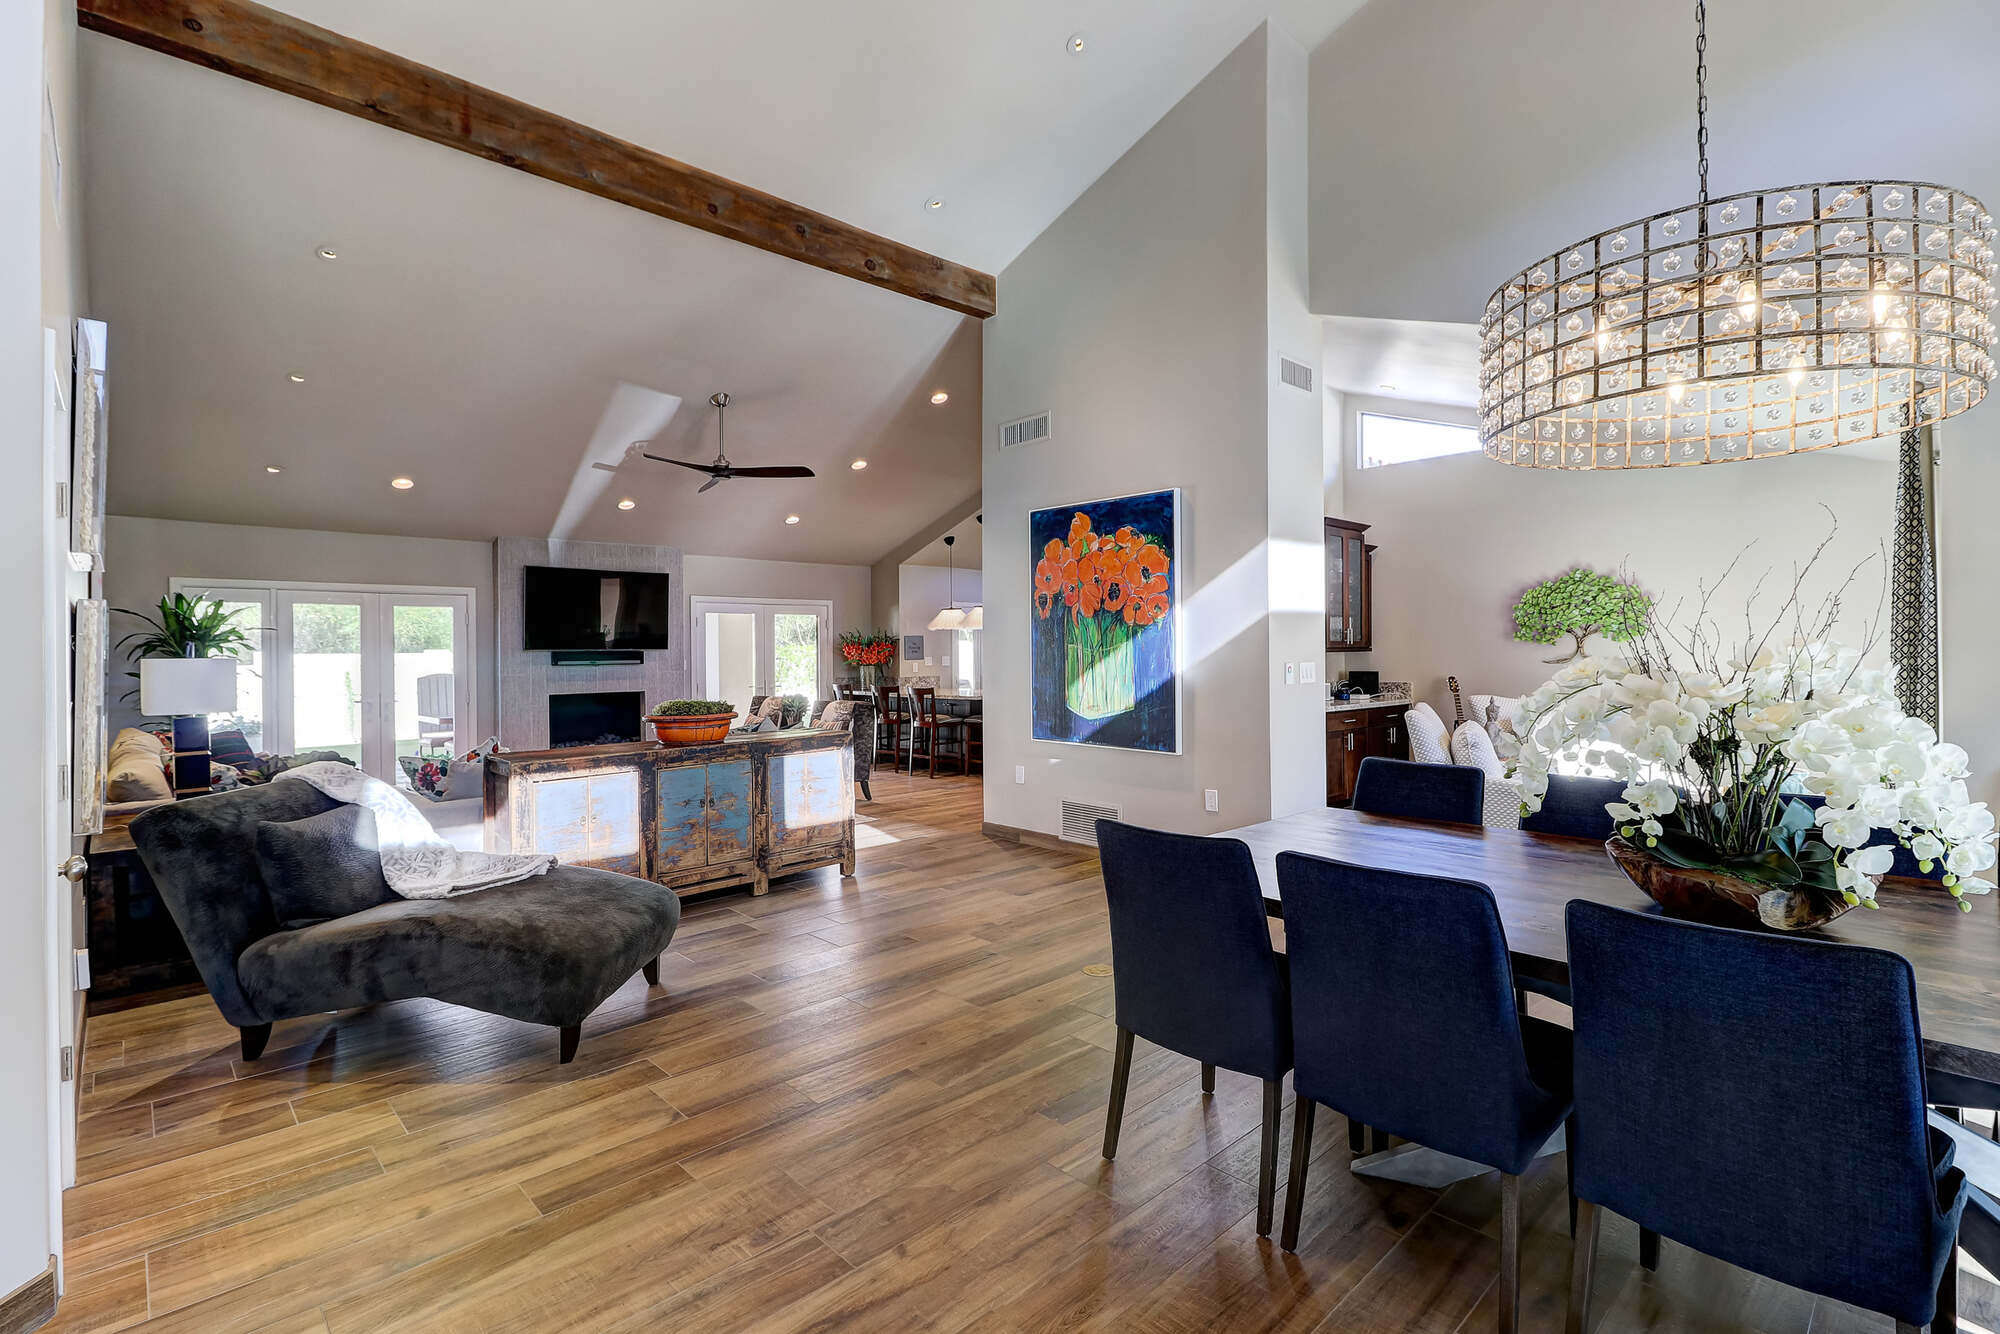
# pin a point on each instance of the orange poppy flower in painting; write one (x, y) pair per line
(1123, 573)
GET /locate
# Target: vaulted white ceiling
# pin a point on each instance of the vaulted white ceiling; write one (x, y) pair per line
(502, 340)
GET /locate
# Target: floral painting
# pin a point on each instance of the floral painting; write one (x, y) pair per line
(1106, 669)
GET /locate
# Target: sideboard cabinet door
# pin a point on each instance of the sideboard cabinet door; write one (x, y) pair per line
(683, 818)
(615, 838)
(562, 819)
(729, 830)
(812, 797)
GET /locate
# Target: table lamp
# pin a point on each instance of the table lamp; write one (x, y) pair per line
(188, 690)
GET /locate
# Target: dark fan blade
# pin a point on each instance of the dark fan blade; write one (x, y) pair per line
(772, 472)
(709, 484)
(709, 468)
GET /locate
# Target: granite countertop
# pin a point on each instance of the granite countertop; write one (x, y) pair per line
(1343, 705)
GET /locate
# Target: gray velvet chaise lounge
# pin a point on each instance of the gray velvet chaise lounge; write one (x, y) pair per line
(547, 950)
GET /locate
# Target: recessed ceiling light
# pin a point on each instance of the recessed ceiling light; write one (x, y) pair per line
(791, 518)
(1075, 43)
(628, 503)
(1388, 388)
(858, 464)
(328, 252)
(297, 378)
(272, 467)
(940, 397)
(934, 203)
(401, 483)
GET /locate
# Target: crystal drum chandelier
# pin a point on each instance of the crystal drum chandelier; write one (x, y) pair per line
(1759, 324)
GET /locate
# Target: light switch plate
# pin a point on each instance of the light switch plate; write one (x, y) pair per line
(1020, 773)
(1308, 672)
(1291, 673)
(1211, 800)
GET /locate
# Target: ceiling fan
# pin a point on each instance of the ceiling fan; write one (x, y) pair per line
(722, 469)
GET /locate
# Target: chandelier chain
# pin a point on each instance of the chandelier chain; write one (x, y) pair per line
(1701, 96)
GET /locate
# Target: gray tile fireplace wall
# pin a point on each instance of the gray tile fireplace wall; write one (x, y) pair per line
(527, 680)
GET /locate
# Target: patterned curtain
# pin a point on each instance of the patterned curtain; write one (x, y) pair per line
(1913, 611)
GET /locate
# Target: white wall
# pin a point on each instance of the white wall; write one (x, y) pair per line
(1968, 478)
(1462, 537)
(1142, 319)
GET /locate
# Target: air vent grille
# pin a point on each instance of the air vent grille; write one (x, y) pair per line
(1079, 820)
(1296, 374)
(1025, 430)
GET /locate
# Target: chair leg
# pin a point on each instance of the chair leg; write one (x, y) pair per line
(866, 795)
(1581, 1268)
(1569, 1170)
(652, 971)
(1207, 1077)
(1946, 1319)
(1357, 1138)
(1121, 1070)
(253, 1039)
(570, 1036)
(1295, 1185)
(1510, 1253)
(1267, 1156)
(1649, 1249)
(1378, 1140)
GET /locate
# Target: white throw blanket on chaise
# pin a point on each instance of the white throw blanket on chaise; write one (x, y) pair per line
(416, 862)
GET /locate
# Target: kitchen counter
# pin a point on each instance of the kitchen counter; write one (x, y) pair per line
(1343, 705)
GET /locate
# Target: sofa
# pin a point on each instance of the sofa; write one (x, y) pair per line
(547, 950)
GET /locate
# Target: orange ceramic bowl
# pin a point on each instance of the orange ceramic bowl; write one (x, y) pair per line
(691, 729)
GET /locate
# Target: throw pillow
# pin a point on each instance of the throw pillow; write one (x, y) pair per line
(428, 776)
(136, 769)
(227, 745)
(1471, 745)
(326, 865)
(1429, 742)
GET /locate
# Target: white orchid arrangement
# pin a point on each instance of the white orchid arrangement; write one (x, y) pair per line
(1715, 747)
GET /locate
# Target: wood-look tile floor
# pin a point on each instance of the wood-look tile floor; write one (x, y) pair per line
(872, 1104)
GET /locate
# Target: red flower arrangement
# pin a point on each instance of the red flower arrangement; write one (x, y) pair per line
(868, 648)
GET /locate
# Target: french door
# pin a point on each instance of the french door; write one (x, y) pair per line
(373, 673)
(757, 646)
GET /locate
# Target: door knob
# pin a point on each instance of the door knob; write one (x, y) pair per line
(73, 869)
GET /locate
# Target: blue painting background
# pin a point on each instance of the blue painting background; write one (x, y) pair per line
(1153, 722)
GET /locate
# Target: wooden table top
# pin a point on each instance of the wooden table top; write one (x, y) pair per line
(1956, 955)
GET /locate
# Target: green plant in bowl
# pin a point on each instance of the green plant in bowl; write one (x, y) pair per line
(692, 708)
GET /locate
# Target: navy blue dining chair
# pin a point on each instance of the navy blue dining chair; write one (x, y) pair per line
(1193, 970)
(1759, 1098)
(1453, 793)
(1574, 807)
(1403, 1018)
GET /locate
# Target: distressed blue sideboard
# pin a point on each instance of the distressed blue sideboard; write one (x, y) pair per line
(735, 812)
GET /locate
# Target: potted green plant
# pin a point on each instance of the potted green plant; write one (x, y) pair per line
(690, 722)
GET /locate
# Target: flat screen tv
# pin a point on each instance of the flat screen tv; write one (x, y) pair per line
(595, 609)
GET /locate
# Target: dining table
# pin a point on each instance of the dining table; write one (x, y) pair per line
(1955, 955)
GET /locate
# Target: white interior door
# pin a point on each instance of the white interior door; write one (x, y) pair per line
(754, 646)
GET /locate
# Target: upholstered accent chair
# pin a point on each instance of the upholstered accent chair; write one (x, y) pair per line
(547, 950)
(857, 715)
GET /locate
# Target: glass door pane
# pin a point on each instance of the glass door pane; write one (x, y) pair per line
(327, 690)
(250, 665)
(966, 662)
(424, 680)
(795, 656)
(729, 651)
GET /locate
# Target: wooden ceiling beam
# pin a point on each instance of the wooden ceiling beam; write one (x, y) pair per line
(277, 51)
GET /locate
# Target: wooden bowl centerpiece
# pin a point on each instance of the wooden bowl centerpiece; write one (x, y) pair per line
(1700, 894)
(692, 722)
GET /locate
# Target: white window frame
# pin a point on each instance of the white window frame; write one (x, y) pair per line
(1363, 412)
(978, 685)
(376, 600)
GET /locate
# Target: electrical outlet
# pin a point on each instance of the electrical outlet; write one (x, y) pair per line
(1291, 673)
(1020, 773)
(1308, 672)
(1211, 800)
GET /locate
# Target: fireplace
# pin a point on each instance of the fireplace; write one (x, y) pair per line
(595, 718)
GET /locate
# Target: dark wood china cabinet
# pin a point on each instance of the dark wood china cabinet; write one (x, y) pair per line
(1349, 569)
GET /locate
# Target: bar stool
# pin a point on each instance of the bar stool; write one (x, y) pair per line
(889, 724)
(935, 728)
